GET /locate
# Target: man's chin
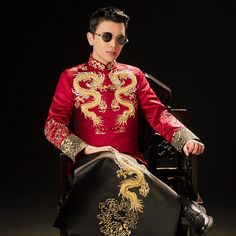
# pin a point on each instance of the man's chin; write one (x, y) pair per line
(111, 57)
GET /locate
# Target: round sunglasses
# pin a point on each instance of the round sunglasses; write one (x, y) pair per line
(107, 37)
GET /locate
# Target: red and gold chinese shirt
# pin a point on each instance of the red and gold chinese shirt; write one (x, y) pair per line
(98, 105)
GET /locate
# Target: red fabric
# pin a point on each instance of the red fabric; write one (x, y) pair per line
(91, 110)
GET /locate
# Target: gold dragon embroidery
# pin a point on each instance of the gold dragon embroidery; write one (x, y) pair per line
(129, 168)
(116, 79)
(96, 82)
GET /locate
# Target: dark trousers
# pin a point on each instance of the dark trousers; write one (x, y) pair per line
(114, 195)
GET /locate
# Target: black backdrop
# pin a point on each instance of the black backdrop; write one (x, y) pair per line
(183, 44)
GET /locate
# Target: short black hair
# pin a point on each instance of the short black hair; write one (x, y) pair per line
(107, 13)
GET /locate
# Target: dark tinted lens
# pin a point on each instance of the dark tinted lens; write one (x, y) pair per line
(121, 39)
(106, 37)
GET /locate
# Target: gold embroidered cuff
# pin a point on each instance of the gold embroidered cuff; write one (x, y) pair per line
(72, 145)
(181, 137)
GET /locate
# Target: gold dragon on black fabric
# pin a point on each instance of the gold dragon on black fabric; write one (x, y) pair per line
(119, 218)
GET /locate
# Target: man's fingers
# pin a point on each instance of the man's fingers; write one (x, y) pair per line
(193, 147)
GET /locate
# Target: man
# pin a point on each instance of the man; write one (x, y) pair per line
(93, 119)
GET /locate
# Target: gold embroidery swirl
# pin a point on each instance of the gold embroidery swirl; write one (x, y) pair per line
(72, 145)
(181, 136)
(117, 218)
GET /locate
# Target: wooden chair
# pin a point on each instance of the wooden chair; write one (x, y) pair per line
(164, 161)
(172, 167)
(179, 172)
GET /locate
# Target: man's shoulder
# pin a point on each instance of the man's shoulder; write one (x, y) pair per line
(123, 66)
(75, 68)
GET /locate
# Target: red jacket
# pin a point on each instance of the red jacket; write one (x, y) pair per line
(98, 105)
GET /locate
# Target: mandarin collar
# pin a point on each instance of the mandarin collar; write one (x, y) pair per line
(99, 65)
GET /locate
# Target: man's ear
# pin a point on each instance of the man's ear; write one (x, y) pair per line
(90, 38)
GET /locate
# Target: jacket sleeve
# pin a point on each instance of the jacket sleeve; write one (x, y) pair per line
(56, 127)
(160, 119)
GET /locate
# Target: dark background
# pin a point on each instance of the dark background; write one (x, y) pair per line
(183, 44)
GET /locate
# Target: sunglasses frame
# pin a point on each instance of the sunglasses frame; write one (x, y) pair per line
(111, 36)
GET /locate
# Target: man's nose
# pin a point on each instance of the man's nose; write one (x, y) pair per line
(113, 42)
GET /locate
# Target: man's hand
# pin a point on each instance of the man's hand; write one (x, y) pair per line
(193, 147)
(92, 149)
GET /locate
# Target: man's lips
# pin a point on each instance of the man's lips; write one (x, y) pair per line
(111, 52)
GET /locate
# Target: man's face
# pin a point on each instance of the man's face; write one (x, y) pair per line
(106, 52)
